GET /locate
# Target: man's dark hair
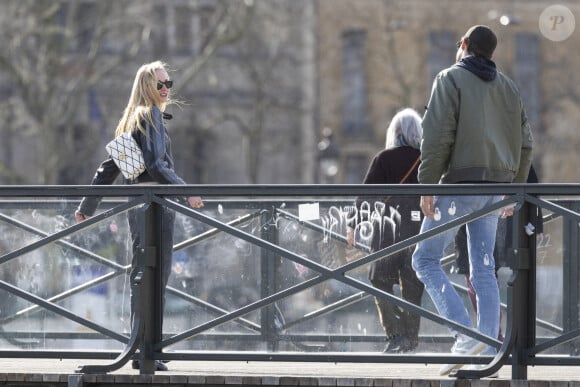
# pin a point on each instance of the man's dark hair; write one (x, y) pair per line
(481, 41)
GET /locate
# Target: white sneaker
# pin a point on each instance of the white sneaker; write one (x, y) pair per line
(464, 346)
(480, 366)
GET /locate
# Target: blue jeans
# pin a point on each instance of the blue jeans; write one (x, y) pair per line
(481, 240)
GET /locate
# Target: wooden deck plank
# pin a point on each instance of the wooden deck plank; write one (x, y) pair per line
(279, 373)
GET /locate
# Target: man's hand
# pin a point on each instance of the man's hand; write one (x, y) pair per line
(507, 211)
(427, 206)
(195, 201)
(352, 254)
(79, 216)
(350, 236)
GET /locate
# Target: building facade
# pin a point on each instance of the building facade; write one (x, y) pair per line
(379, 56)
(273, 91)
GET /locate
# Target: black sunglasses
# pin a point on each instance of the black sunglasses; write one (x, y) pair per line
(168, 83)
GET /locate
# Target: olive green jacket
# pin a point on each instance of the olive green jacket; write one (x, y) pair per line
(474, 130)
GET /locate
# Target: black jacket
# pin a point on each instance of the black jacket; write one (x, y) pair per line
(389, 166)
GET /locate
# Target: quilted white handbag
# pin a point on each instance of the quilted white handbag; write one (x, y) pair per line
(127, 154)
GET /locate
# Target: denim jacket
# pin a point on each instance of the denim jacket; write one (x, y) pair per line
(156, 148)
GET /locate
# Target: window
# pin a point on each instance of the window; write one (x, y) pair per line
(86, 25)
(184, 36)
(354, 85)
(527, 75)
(441, 54)
(159, 32)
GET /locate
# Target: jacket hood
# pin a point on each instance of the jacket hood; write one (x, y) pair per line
(482, 67)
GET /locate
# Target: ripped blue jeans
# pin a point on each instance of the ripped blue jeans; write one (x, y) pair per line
(480, 241)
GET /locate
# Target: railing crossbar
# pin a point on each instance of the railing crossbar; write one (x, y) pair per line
(61, 311)
(64, 295)
(213, 232)
(69, 245)
(68, 231)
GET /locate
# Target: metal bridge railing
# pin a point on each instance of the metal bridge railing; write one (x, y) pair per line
(260, 273)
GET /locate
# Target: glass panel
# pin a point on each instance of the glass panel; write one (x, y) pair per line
(43, 279)
(557, 280)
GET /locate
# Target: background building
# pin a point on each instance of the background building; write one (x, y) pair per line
(379, 56)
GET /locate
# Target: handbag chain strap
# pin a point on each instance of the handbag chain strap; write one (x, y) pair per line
(406, 175)
(410, 170)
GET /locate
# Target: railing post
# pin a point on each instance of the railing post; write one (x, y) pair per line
(524, 300)
(151, 301)
(269, 283)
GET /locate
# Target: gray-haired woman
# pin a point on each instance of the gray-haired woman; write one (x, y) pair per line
(394, 219)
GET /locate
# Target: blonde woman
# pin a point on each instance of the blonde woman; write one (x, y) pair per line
(144, 117)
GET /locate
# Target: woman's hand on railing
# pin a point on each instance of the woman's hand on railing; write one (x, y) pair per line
(195, 201)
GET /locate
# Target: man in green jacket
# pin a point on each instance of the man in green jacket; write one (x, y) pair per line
(475, 130)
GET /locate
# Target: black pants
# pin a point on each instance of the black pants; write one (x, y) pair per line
(136, 218)
(386, 273)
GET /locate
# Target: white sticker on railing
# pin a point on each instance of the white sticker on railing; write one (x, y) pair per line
(308, 211)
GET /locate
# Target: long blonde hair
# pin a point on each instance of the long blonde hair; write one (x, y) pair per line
(144, 96)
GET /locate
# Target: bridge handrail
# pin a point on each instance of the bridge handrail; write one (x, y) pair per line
(519, 349)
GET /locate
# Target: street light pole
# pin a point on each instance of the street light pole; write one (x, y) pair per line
(328, 156)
